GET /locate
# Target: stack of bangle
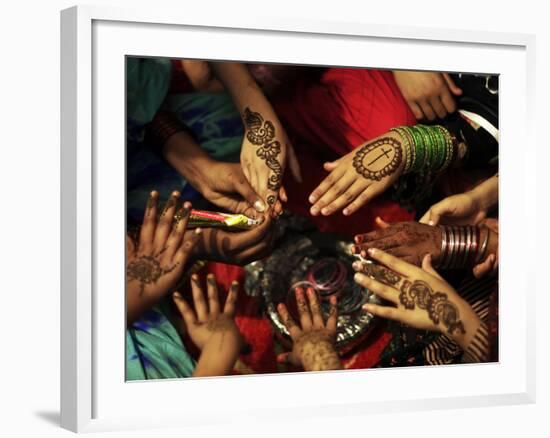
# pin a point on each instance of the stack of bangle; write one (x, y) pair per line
(463, 246)
(430, 149)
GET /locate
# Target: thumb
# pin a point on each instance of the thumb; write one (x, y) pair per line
(381, 223)
(451, 84)
(331, 165)
(427, 266)
(434, 214)
(244, 189)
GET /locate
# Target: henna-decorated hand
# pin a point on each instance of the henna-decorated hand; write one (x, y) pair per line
(418, 297)
(359, 176)
(156, 263)
(409, 241)
(263, 156)
(463, 209)
(313, 343)
(236, 247)
(211, 329)
(428, 94)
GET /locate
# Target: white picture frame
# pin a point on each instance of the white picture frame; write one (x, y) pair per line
(94, 42)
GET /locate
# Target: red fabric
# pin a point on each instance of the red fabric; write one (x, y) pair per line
(329, 117)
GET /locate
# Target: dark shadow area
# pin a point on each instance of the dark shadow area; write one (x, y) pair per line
(52, 417)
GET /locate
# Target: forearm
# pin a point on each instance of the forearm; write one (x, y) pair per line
(243, 89)
(487, 193)
(475, 340)
(185, 155)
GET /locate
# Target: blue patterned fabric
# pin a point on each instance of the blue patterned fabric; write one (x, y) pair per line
(154, 349)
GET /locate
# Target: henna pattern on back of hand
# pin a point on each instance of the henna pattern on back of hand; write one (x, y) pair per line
(261, 133)
(378, 159)
(439, 307)
(146, 270)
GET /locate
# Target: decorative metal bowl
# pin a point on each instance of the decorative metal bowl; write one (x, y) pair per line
(290, 264)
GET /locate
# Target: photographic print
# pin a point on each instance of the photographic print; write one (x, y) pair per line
(289, 218)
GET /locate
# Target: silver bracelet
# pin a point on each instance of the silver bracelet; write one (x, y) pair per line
(444, 247)
(483, 248)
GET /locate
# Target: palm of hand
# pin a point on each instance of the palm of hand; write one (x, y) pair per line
(201, 332)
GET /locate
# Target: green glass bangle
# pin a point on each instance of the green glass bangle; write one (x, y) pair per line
(424, 134)
(420, 150)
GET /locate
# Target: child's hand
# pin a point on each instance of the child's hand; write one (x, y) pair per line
(313, 347)
(360, 176)
(418, 297)
(212, 330)
(156, 263)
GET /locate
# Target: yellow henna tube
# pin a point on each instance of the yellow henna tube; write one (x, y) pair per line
(212, 219)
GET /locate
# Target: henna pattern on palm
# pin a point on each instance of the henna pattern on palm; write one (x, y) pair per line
(378, 159)
(261, 133)
(439, 308)
(147, 270)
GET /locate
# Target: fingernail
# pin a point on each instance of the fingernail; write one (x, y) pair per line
(325, 211)
(345, 212)
(367, 307)
(312, 199)
(363, 254)
(314, 211)
(195, 277)
(354, 249)
(358, 239)
(333, 299)
(372, 251)
(356, 266)
(358, 277)
(176, 295)
(259, 206)
(431, 223)
(198, 230)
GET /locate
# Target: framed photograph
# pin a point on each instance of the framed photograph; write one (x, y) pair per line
(300, 218)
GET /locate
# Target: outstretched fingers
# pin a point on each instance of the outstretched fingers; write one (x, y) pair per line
(185, 310)
(147, 232)
(293, 329)
(332, 320)
(164, 225)
(231, 300)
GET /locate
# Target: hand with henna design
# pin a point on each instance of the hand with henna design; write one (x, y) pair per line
(313, 343)
(360, 176)
(265, 150)
(211, 329)
(157, 261)
(409, 241)
(418, 297)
